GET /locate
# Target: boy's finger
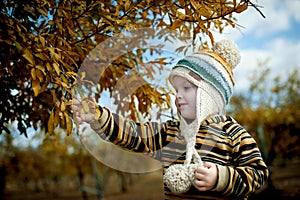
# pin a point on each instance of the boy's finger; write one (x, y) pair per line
(207, 164)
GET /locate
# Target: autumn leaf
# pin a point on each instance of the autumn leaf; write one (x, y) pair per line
(97, 114)
(36, 86)
(69, 123)
(85, 106)
(56, 68)
(241, 8)
(33, 73)
(51, 123)
(28, 56)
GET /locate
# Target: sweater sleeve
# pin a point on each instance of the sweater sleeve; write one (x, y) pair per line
(248, 172)
(144, 138)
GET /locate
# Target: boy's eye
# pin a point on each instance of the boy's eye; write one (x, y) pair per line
(187, 87)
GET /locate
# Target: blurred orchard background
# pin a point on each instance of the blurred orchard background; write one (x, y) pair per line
(44, 45)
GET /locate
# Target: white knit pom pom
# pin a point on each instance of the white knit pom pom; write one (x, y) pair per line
(178, 178)
(229, 51)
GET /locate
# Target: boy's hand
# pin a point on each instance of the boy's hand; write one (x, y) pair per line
(85, 110)
(206, 177)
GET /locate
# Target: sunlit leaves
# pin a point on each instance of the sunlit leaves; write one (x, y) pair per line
(44, 43)
(270, 111)
(27, 54)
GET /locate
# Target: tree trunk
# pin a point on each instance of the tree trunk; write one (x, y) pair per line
(99, 181)
(81, 183)
(2, 180)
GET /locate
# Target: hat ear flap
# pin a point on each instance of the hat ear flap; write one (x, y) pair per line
(210, 101)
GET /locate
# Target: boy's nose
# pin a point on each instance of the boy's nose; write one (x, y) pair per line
(178, 95)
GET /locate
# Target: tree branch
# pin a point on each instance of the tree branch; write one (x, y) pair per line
(256, 8)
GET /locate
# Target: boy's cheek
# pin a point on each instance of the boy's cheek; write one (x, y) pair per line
(176, 103)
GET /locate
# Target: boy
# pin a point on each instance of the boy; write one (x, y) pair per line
(205, 154)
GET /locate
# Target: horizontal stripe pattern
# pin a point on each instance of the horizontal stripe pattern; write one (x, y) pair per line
(213, 73)
(220, 140)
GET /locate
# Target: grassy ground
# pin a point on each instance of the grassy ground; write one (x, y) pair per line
(286, 180)
(147, 186)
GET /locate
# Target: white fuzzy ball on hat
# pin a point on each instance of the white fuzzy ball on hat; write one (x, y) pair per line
(229, 51)
(179, 178)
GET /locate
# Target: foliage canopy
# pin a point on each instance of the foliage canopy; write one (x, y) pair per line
(44, 42)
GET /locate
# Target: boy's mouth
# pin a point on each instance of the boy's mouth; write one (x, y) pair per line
(180, 105)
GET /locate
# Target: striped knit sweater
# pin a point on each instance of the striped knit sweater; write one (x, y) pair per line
(220, 140)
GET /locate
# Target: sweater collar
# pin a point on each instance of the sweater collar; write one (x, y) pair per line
(215, 119)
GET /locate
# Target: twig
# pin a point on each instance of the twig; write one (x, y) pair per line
(256, 8)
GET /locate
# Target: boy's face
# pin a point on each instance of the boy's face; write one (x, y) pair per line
(185, 97)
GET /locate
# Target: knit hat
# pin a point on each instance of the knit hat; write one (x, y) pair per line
(215, 67)
(211, 72)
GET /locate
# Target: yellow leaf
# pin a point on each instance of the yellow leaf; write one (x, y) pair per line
(51, 22)
(33, 73)
(39, 75)
(36, 86)
(51, 123)
(19, 29)
(58, 49)
(42, 11)
(57, 117)
(180, 49)
(97, 114)
(64, 80)
(205, 11)
(53, 95)
(65, 85)
(56, 67)
(53, 54)
(48, 66)
(230, 22)
(19, 47)
(62, 119)
(83, 74)
(85, 106)
(127, 5)
(211, 37)
(195, 4)
(41, 56)
(118, 21)
(41, 68)
(42, 40)
(66, 14)
(69, 124)
(241, 8)
(180, 15)
(62, 106)
(176, 24)
(182, 3)
(28, 56)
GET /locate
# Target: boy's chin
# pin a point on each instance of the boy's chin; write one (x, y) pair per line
(188, 120)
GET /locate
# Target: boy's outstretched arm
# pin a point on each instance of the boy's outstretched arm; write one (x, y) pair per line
(143, 138)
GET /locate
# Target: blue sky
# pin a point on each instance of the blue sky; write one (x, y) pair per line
(275, 37)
